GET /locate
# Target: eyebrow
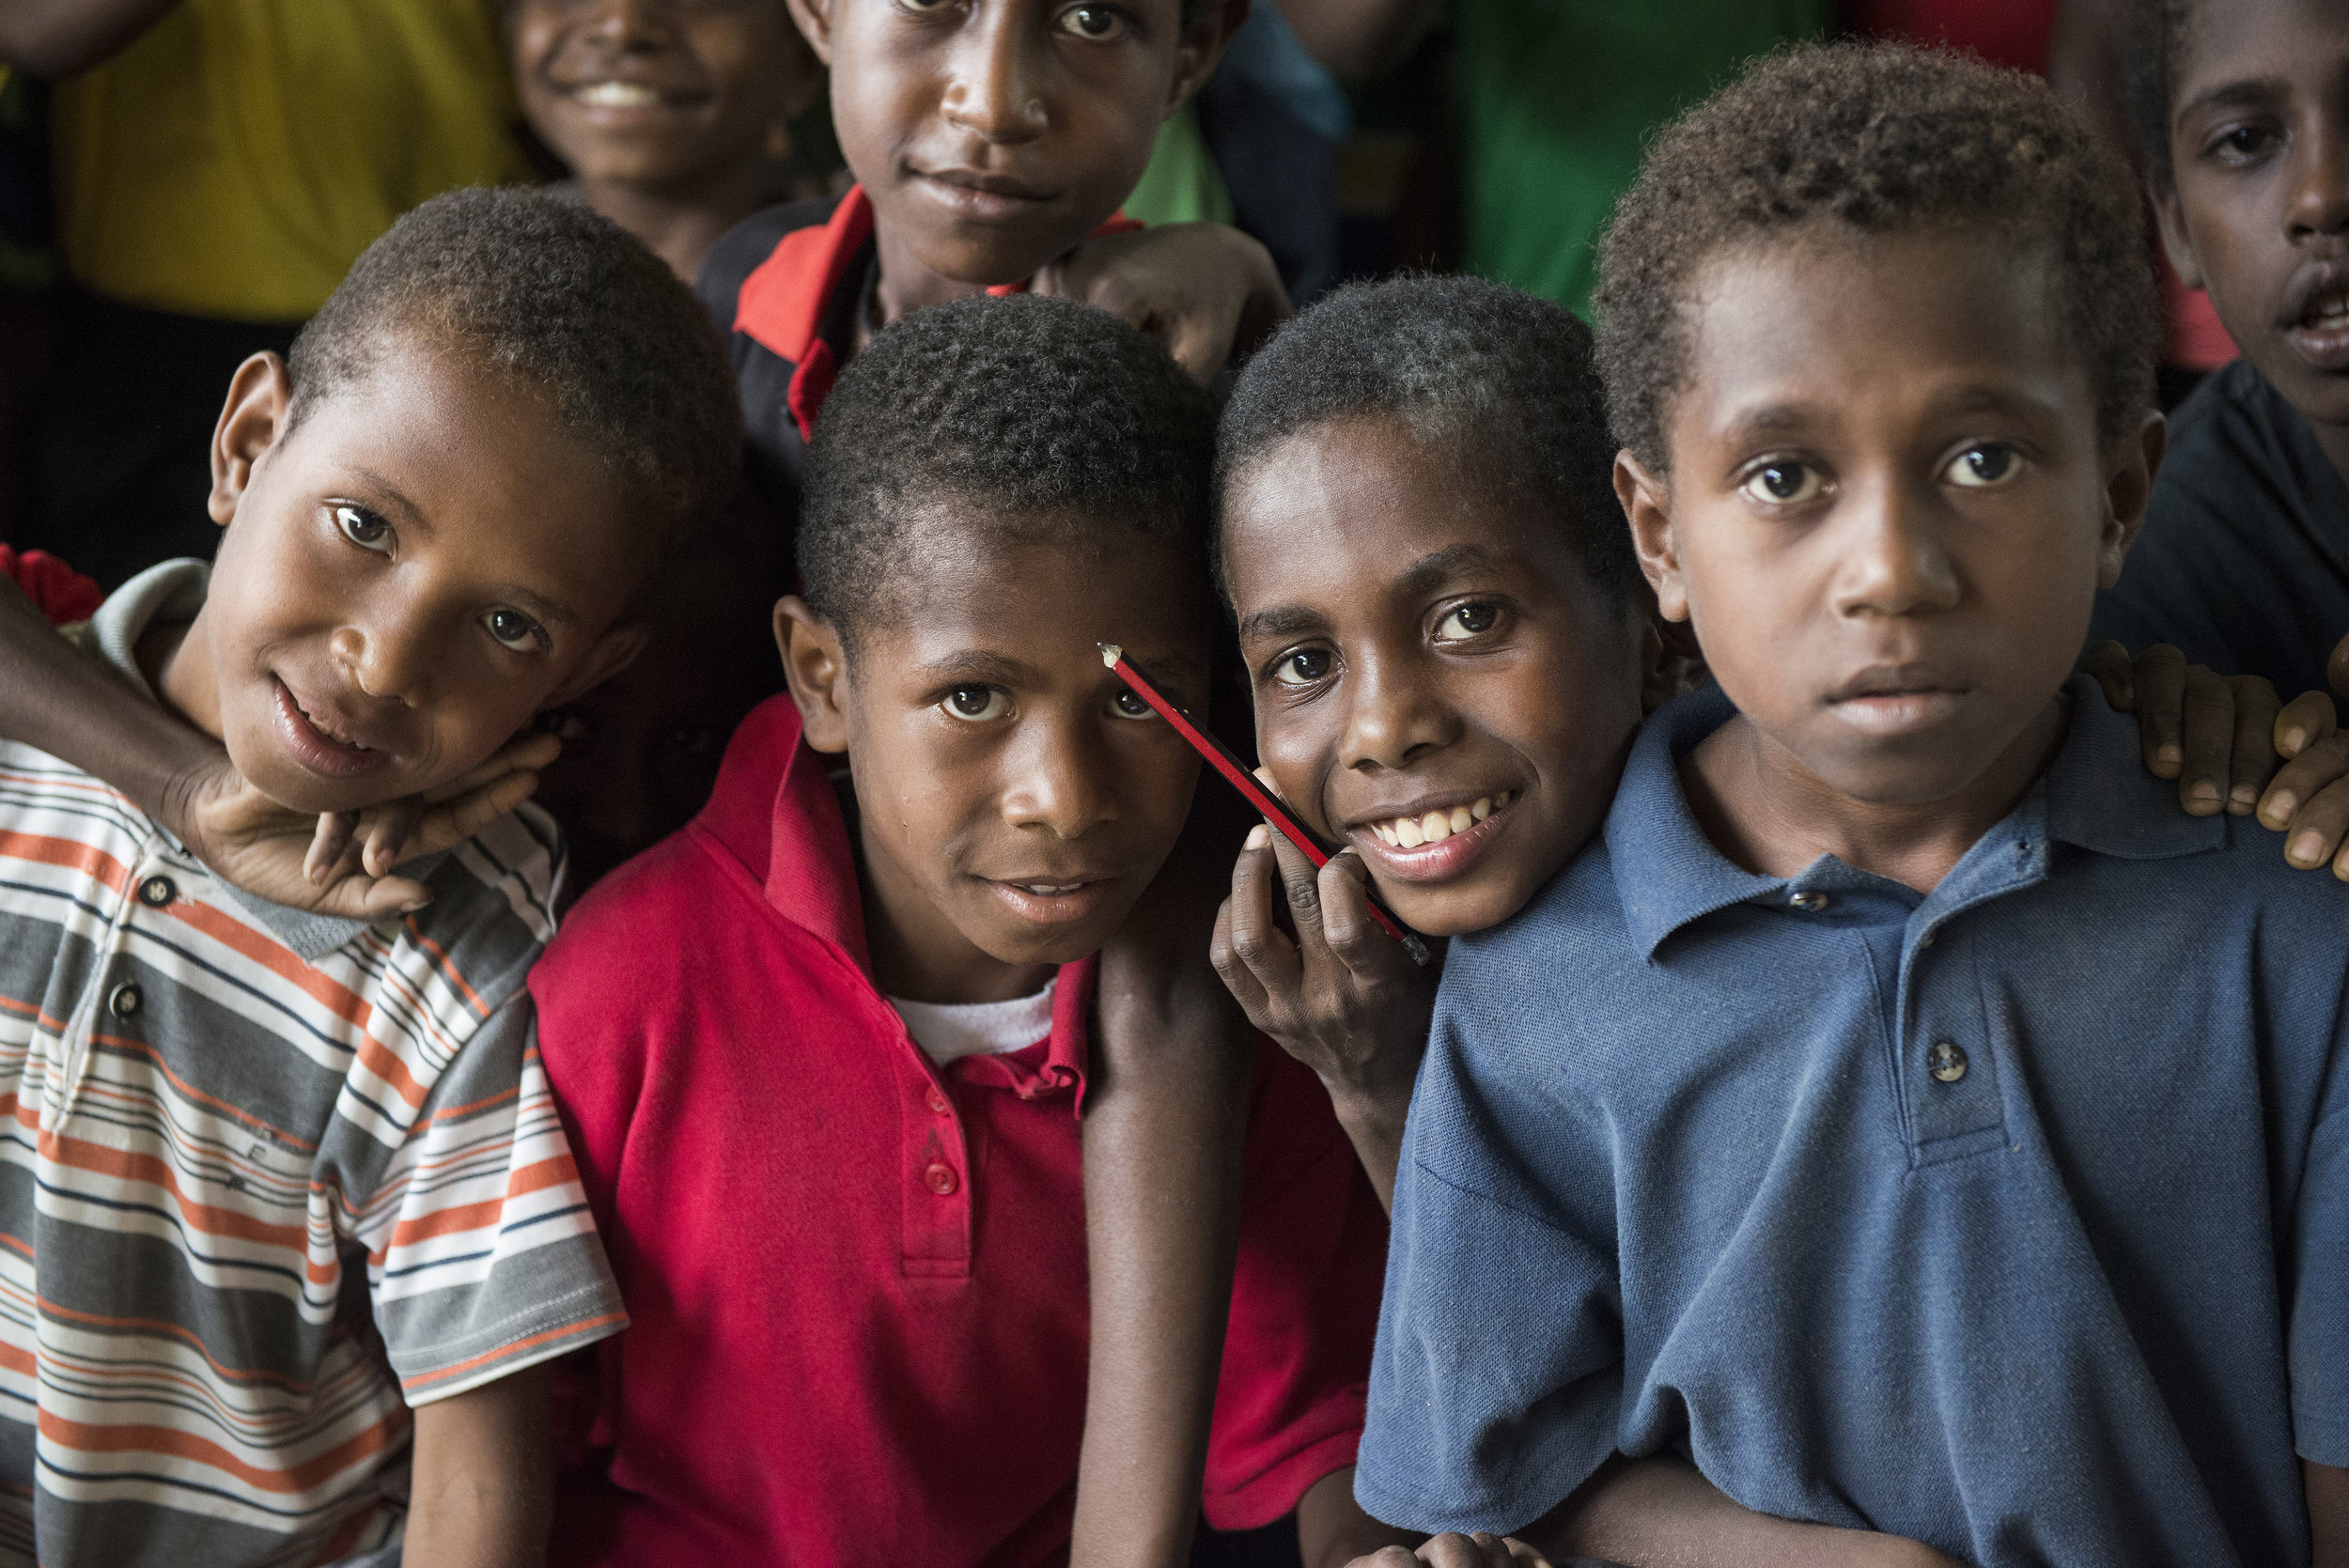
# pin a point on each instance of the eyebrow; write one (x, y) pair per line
(2242, 93)
(978, 667)
(394, 498)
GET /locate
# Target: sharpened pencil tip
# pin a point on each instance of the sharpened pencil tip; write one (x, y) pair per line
(1110, 654)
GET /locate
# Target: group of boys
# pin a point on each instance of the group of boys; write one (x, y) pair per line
(1862, 1115)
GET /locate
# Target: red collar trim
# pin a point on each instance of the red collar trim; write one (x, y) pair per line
(780, 305)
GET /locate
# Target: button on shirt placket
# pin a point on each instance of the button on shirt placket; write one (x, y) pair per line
(114, 1001)
(935, 1166)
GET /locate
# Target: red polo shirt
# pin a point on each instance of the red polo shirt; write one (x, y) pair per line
(856, 1283)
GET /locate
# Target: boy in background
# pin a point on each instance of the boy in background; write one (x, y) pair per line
(827, 1125)
(1929, 1219)
(288, 1203)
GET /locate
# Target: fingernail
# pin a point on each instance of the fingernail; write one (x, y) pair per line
(2278, 810)
(2308, 849)
(2242, 799)
(2169, 757)
(1258, 837)
(2202, 793)
(419, 904)
(2295, 738)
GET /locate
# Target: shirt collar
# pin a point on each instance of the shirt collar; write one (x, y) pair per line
(173, 591)
(2096, 794)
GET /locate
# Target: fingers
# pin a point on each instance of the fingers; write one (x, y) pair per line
(1237, 976)
(2309, 802)
(1300, 887)
(2160, 684)
(2256, 706)
(1480, 1550)
(1201, 339)
(1386, 1556)
(2206, 741)
(2337, 668)
(327, 844)
(1257, 945)
(2307, 719)
(387, 830)
(445, 827)
(2319, 753)
(2109, 662)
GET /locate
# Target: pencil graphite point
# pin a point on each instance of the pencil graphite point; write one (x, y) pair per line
(1110, 654)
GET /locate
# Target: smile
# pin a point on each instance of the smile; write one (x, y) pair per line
(1039, 901)
(1435, 844)
(320, 744)
(1434, 827)
(624, 95)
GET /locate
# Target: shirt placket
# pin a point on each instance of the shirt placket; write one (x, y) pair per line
(116, 1001)
(935, 1173)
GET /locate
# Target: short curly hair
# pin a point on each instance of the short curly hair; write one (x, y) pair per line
(2150, 44)
(1500, 379)
(567, 304)
(1033, 417)
(1872, 138)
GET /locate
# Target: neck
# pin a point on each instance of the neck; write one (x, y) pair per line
(1766, 811)
(918, 955)
(908, 285)
(176, 661)
(681, 220)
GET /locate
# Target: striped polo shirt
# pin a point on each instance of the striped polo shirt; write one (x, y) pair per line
(267, 1179)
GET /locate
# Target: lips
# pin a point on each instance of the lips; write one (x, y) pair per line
(1893, 699)
(324, 742)
(619, 94)
(1433, 841)
(2313, 315)
(977, 193)
(1055, 900)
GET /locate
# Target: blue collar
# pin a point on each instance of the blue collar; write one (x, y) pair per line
(2096, 794)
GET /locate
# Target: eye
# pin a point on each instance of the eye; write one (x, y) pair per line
(1302, 667)
(926, 7)
(2241, 144)
(363, 528)
(513, 630)
(1094, 24)
(1783, 484)
(1131, 706)
(978, 704)
(1466, 620)
(1984, 467)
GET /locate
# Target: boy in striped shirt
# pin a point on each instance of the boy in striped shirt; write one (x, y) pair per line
(288, 1226)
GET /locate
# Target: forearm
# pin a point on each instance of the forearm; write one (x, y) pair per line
(1373, 1117)
(1358, 39)
(482, 1495)
(57, 37)
(1331, 1528)
(59, 699)
(1166, 1114)
(1661, 1511)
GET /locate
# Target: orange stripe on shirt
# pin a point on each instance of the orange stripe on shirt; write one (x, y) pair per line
(535, 1177)
(87, 858)
(81, 1438)
(146, 1171)
(426, 1379)
(273, 955)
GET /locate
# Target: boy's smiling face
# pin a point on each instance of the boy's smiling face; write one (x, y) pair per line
(1438, 682)
(408, 573)
(657, 91)
(1888, 510)
(991, 135)
(1015, 797)
(2258, 210)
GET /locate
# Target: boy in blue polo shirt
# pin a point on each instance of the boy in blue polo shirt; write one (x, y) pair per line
(1804, 1138)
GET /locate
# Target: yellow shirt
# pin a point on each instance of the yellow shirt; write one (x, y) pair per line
(236, 158)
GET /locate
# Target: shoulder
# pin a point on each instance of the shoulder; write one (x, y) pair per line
(2238, 451)
(742, 249)
(492, 910)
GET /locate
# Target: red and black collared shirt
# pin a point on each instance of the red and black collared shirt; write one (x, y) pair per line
(784, 286)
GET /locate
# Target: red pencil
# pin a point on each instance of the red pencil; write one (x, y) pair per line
(1275, 810)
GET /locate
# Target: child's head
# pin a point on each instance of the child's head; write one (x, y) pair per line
(441, 508)
(1438, 610)
(2245, 133)
(996, 487)
(1877, 332)
(662, 94)
(993, 135)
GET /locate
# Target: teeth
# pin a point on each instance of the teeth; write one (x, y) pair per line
(1410, 832)
(1049, 889)
(616, 95)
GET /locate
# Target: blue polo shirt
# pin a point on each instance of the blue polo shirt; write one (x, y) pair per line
(2014, 1218)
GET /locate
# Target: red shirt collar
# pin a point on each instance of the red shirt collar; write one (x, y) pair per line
(774, 806)
(782, 304)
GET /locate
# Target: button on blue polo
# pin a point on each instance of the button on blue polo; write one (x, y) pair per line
(2012, 1216)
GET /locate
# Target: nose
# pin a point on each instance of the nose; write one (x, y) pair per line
(995, 79)
(1891, 558)
(629, 24)
(387, 658)
(2319, 202)
(1062, 779)
(1395, 716)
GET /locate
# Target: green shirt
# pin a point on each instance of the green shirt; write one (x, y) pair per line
(1554, 100)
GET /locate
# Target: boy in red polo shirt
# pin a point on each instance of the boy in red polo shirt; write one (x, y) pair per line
(820, 1055)
(988, 141)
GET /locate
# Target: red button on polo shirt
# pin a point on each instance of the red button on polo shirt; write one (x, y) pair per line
(858, 1296)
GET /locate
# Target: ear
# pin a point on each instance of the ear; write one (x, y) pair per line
(813, 18)
(614, 651)
(2130, 464)
(2175, 242)
(252, 421)
(1646, 501)
(816, 666)
(1203, 44)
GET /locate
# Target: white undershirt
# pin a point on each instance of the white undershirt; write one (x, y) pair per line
(948, 1032)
